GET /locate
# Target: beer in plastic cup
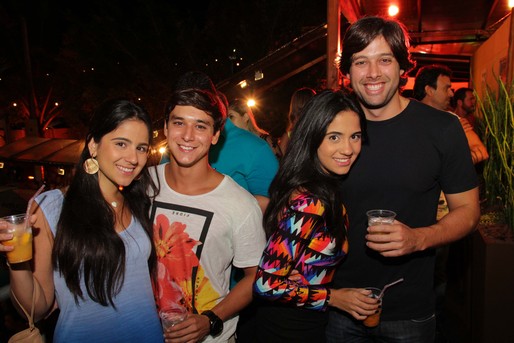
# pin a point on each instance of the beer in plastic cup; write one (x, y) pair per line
(380, 217)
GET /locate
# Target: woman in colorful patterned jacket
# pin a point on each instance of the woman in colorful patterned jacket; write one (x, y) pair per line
(306, 223)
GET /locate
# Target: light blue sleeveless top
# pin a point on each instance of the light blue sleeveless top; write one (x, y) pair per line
(135, 318)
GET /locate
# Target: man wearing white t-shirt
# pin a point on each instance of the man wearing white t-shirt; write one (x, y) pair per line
(203, 224)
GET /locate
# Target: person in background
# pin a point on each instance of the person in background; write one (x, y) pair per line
(439, 98)
(414, 152)
(252, 171)
(464, 105)
(93, 251)
(306, 225)
(433, 87)
(298, 100)
(242, 116)
(204, 223)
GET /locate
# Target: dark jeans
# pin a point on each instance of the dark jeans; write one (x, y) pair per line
(348, 330)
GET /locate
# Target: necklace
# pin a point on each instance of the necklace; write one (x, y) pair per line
(114, 204)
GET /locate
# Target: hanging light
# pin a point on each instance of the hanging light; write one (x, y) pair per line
(259, 75)
(393, 10)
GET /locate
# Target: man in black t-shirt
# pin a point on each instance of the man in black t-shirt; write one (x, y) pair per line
(414, 151)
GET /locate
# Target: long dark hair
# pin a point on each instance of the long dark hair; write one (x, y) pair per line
(298, 100)
(300, 168)
(86, 243)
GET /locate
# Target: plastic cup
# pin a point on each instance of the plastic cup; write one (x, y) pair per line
(22, 238)
(380, 217)
(374, 319)
(172, 315)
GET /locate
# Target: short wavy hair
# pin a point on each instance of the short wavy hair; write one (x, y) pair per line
(203, 100)
(361, 33)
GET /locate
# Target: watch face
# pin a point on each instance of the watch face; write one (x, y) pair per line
(215, 322)
(216, 326)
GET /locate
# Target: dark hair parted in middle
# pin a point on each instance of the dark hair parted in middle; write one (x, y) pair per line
(86, 243)
(360, 34)
(199, 99)
(300, 167)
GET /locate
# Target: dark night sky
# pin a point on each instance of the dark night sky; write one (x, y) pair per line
(85, 51)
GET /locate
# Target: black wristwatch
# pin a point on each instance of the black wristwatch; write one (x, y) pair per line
(215, 322)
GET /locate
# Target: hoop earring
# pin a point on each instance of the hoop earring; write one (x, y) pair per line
(91, 166)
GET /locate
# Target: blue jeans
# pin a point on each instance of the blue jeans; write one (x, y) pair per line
(342, 328)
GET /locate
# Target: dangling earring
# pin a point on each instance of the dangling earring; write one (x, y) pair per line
(91, 166)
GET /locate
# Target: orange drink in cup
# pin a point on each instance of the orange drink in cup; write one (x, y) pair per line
(22, 238)
(374, 319)
(377, 293)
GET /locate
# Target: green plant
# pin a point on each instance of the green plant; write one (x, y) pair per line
(498, 114)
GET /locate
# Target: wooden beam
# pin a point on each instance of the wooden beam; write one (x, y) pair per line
(350, 10)
(420, 14)
(450, 33)
(292, 73)
(510, 55)
(333, 44)
(489, 14)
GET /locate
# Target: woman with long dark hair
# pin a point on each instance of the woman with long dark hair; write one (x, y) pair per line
(93, 251)
(306, 223)
(298, 100)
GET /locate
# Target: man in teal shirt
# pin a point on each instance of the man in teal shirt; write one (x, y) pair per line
(247, 159)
